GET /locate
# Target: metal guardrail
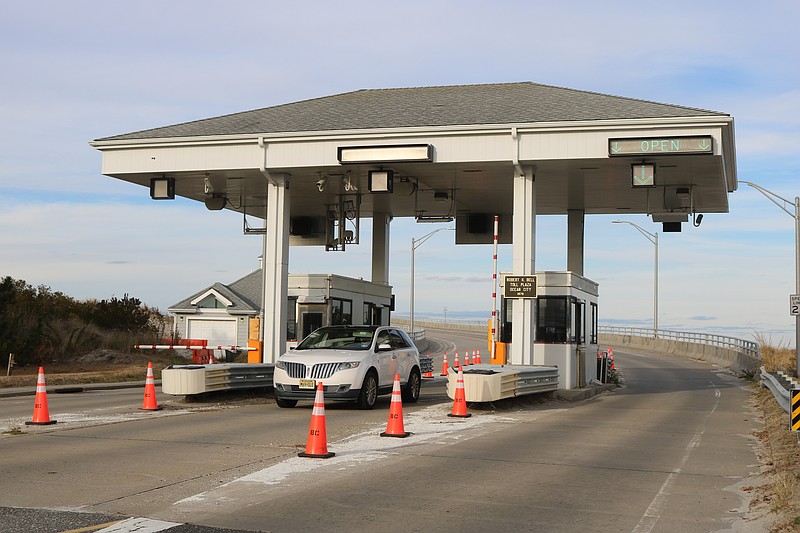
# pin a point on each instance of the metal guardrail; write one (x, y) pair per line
(196, 379)
(746, 347)
(779, 385)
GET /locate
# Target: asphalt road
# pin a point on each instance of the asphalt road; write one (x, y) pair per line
(670, 451)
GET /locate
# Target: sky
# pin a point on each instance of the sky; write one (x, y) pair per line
(71, 72)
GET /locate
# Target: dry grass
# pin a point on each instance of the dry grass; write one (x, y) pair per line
(780, 448)
(776, 357)
(114, 368)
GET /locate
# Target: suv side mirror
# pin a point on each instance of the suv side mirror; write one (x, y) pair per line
(385, 347)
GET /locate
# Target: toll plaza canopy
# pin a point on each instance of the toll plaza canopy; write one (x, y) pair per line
(311, 170)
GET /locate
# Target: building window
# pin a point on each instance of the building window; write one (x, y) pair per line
(593, 331)
(210, 302)
(341, 312)
(367, 314)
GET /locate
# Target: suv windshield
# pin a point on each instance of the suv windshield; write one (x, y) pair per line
(334, 338)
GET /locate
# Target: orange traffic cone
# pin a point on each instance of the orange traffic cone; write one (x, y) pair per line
(429, 373)
(317, 442)
(611, 357)
(444, 365)
(476, 357)
(150, 403)
(466, 358)
(211, 360)
(41, 414)
(456, 363)
(460, 400)
(394, 427)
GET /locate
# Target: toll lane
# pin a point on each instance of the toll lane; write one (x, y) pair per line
(664, 453)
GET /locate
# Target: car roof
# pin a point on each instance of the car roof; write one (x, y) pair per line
(349, 326)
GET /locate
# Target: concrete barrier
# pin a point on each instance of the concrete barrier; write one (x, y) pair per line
(730, 358)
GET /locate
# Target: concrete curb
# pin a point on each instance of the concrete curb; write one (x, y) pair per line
(579, 395)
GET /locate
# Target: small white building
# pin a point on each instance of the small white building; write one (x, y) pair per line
(221, 313)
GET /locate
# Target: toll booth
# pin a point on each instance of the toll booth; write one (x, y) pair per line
(565, 333)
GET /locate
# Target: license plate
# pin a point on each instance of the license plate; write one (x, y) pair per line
(307, 384)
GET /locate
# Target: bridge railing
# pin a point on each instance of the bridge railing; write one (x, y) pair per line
(750, 348)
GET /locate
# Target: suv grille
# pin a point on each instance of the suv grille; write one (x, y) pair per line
(296, 370)
(319, 371)
(323, 370)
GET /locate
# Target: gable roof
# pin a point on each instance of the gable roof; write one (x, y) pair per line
(243, 293)
(500, 103)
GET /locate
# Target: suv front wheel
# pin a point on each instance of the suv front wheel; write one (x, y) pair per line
(369, 391)
(411, 390)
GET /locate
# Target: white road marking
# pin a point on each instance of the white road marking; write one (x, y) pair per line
(138, 525)
(656, 507)
(429, 425)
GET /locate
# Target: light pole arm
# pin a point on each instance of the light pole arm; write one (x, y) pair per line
(416, 243)
(772, 197)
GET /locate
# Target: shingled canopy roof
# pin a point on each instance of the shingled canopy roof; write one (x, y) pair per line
(502, 103)
(479, 135)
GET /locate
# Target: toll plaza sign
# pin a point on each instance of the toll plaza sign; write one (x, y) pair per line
(698, 144)
(519, 287)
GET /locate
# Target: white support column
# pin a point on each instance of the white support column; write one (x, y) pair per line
(380, 248)
(575, 240)
(276, 268)
(523, 264)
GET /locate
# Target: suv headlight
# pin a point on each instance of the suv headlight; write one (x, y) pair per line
(348, 366)
(280, 364)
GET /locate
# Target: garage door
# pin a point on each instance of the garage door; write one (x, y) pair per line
(216, 332)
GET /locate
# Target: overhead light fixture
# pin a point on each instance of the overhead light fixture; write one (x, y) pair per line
(162, 188)
(410, 153)
(424, 218)
(643, 175)
(698, 218)
(216, 202)
(440, 196)
(380, 181)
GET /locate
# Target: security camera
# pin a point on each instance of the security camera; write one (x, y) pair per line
(321, 185)
(215, 202)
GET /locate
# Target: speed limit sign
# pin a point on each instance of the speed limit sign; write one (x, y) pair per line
(794, 304)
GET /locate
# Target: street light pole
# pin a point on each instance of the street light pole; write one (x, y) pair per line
(653, 238)
(772, 197)
(416, 243)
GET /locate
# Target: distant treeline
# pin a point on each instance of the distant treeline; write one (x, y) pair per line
(40, 325)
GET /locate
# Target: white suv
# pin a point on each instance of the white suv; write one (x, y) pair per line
(355, 363)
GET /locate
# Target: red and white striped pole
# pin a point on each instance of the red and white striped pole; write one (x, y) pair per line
(495, 315)
(182, 347)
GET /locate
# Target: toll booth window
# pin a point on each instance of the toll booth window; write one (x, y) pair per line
(553, 320)
(593, 331)
(291, 319)
(579, 314)
(505, 320)
(341, 312)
